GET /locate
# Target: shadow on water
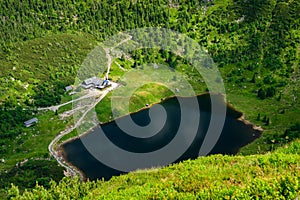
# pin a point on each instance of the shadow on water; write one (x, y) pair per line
(236, 133)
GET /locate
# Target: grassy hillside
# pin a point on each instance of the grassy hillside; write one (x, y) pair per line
(256, 45)
(274, 175)
(45, 36)
(36, 71)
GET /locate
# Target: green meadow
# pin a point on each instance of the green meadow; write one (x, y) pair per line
(255, 45)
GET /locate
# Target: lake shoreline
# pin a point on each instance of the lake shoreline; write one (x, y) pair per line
(231, 111)
(141, 109)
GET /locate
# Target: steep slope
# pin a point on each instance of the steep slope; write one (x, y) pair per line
(271, 176)
(255, 43)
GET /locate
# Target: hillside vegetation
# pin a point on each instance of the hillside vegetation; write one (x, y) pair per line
(255, 44)
(271, 176)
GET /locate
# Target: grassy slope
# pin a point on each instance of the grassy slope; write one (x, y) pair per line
(49, 54)
(48, 60)
(31, 144)
(271, 176)
(36, 62)
(240, 95)
(240, 98)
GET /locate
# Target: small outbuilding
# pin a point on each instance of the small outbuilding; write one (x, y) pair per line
(68, 88)
(31, 122)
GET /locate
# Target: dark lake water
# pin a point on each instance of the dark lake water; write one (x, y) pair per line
(235, 134)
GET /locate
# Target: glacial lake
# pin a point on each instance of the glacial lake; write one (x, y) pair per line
(235, 134)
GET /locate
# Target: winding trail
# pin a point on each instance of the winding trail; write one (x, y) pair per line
(91, 93)
(70, 170)
(108, 50)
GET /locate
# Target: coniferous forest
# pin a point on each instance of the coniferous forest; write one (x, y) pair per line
(254, 43)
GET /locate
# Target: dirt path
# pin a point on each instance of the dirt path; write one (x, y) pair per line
(108, 53)
(121, 68)
(90, 93)
(71, 171)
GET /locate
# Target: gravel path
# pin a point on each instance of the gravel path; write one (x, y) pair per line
(70, 170)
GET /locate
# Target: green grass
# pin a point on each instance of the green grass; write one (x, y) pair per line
(48, 60)
(72, 134)
(31, 144)
(241, 95)
(245, 100)
(33, 170)
(65, 108)
(271, 176)
(66, 98)
(147, 94)
(35, 140)
(47, 46)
